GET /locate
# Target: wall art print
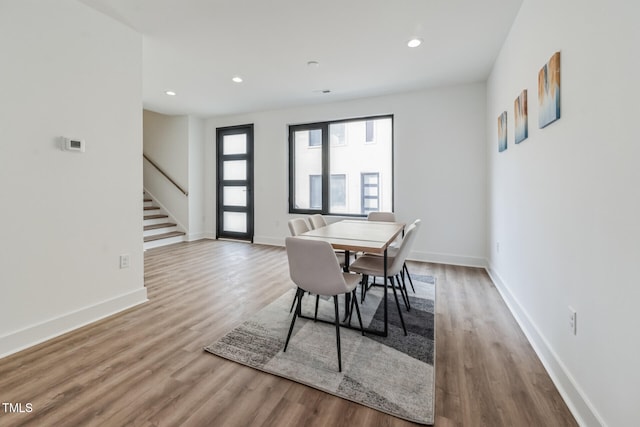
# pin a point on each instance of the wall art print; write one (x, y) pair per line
(502, 131)
(549, 92)
(521, 118)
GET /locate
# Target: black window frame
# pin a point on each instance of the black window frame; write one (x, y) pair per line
(325, 147)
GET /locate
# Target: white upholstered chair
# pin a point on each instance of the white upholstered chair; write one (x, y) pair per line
(297, 226)
(373, 265)
(393, 248)
(317, 221)
(314, 268)
(381, 216)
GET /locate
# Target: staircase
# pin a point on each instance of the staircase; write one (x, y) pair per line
(159, 228)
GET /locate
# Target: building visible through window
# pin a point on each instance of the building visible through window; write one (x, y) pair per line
(368, 131)
(315, 138)
(343, 167)
(370, 192)
(338, 133)
(338, 192)
(315, 191)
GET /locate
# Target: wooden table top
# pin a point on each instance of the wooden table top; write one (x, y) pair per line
(357, 235)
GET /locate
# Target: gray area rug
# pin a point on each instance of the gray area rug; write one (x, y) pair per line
(393, 374)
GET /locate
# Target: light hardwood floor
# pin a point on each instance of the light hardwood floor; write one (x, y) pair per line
(146, 366)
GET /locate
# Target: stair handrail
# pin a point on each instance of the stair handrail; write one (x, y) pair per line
(183, 191)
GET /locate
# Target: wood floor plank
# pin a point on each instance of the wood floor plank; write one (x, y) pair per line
(146, 365)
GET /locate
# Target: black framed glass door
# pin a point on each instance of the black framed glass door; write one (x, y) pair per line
(234, 152)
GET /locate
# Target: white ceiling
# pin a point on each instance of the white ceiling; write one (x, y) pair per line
(195, 47)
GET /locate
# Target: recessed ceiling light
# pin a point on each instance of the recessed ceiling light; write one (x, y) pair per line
(414, 42)
(237, 79)
(170, 93)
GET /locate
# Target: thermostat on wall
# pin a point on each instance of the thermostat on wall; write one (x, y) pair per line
(72, 144)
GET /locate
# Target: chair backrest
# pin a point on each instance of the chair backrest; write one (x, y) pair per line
(405, 247)
(317, 221)
(313, 266)
(381, 216)
(298, 226)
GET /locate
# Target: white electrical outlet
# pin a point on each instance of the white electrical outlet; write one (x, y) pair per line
(573, 321)
(124, 261)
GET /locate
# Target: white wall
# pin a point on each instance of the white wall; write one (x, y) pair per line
(439, 175)
(564, 204)
(67, 217)
(176, 145)
(196, 178)
(166, 143)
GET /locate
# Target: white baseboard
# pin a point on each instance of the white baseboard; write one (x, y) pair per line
(579, 405)
(466, 261)
(270, 241)
(36, 334)
(195, 236)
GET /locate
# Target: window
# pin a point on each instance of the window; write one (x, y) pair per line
(315, 138)
(370, 192)
(315, 191)
(338, 133)
(335, 168)
(338, 192)
(368, 131)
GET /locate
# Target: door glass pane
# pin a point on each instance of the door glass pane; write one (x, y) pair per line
(308, 163)
(235, 222)
(370, 178)
(370, 203)
(234, 144)
(234, 196)
(371, 191)
(234, 170)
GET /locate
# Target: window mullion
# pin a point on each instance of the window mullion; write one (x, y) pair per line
(325, 168)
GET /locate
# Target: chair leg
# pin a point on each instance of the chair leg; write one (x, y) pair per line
(395, 294)
(293, 303)
(363, 287)
(335, 303)
(355, 302)
(406, 293)
(403, 291)
(293, 320)
(406, 270)
(347, 305)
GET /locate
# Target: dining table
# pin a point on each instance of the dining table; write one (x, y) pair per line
(350, 235)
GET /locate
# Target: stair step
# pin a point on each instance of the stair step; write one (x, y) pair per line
(156, 216)
(147, 200)
(151, 208)
(164, 236)
(163, 225)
